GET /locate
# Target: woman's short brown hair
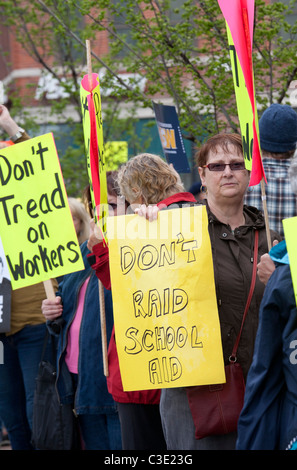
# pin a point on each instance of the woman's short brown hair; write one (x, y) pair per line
(218, 141)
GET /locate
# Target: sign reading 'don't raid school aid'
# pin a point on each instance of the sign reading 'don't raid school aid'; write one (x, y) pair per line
(165, 310)
(36, 225)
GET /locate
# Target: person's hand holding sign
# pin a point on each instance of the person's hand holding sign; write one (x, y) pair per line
(149, 212)
(52, 309)
(266, 266)
(95, 236)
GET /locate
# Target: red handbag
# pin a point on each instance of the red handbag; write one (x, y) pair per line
(216, 408)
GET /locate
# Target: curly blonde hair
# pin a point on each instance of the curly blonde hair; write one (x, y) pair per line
(149, 176)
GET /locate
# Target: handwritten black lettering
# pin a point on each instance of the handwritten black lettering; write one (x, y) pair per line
(157, 304)
(41, 150)
(160, 339)
(21, 170)
(84, 102)
(189, 246)
(46, 203)
(3, 201)
(44, 259)
(33, 235)
(167, 255)
(18, 171)
(136, 348)
(232, 49)
(195, 343)
(127, 258)
(247, 144)
(150, 256)
(31, 207)
(168, 370)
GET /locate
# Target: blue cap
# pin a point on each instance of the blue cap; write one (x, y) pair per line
(278, 129)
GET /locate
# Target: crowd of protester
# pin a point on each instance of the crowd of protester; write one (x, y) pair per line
(110, 418)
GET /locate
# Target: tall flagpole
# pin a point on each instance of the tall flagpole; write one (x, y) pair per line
(263, 190)
(100, 285)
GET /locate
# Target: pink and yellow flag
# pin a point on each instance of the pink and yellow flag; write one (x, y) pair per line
(93, 136)
(239, 16)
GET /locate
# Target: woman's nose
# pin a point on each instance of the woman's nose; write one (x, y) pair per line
(227, 170)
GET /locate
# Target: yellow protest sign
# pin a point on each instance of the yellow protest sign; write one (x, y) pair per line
(116, 153)
(290, 230)
(165, 311)
(36, 225)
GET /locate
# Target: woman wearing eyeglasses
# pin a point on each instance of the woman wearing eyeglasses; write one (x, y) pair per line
(232, 231)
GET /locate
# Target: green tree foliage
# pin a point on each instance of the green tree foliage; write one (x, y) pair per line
(179, 48)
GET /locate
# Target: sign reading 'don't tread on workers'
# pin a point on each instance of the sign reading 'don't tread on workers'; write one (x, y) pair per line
(165, 310)
(36, 225)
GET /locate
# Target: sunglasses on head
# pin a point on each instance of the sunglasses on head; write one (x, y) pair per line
(221, 166)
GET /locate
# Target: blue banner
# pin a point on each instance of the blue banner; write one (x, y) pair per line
(171, 137)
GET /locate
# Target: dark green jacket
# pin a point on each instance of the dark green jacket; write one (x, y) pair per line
(232, 260)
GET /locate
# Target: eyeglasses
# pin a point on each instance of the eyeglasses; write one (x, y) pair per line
(235, 166)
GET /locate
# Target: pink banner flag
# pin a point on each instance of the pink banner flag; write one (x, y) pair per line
(239, 16)
(93, 136)
(94, 150)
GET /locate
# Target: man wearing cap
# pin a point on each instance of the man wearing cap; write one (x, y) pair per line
(278, 138)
